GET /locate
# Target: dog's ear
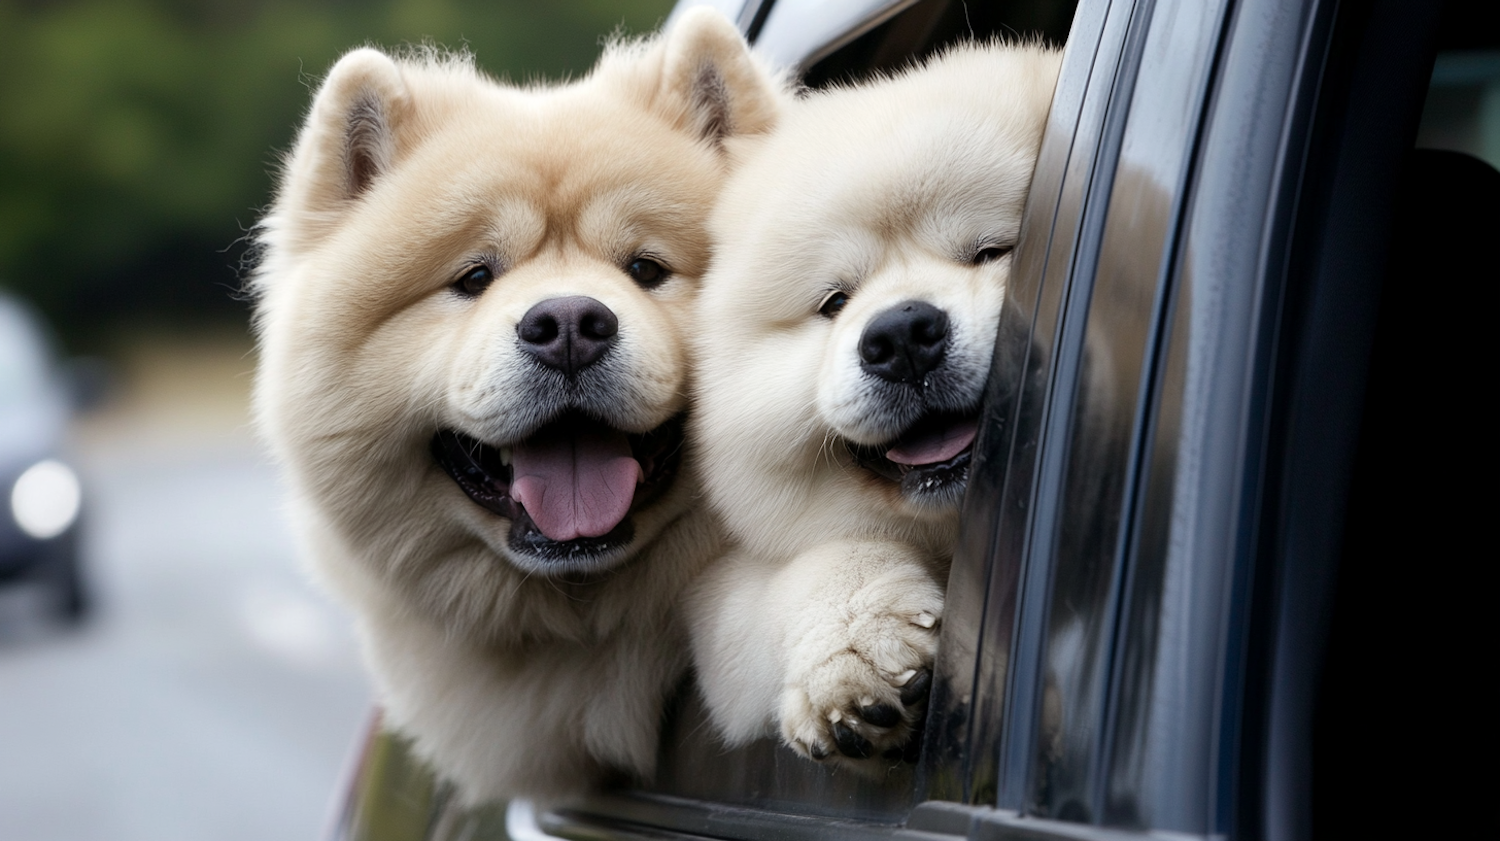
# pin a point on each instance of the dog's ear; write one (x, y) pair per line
(349, 139)
(711, 85)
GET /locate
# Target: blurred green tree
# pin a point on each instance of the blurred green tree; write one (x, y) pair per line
(137, 137)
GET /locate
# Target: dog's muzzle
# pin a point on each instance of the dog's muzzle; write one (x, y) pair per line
(570, 488)
(930, 460)
(904, 348)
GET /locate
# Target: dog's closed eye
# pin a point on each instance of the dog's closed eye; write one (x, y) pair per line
(989, 254)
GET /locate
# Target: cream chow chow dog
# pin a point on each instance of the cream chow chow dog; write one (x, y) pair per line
(846, 332)
(472, 302)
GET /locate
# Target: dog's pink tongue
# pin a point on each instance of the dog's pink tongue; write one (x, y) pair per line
(935, 444)
(576, 484)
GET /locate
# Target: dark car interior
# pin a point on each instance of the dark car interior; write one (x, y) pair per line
(1399, 707)
(927, 27)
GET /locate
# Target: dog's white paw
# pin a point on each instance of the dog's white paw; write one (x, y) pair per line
(860, 675)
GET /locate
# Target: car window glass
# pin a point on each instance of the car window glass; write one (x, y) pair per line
(23, 357)
(764, 774)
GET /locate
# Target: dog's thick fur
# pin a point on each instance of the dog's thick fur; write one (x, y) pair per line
(424, 218)
(874, 214)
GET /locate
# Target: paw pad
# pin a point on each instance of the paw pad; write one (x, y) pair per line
(881, 715)
(850, 743)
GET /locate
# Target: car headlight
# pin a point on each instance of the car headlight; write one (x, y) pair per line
(45, 499)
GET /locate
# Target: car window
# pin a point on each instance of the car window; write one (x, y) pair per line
(765, 774)
(23, 356)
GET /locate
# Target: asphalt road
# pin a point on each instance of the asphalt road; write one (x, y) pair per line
(214, 695)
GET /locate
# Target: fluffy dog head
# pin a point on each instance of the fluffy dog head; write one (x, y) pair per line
(850, 318)
(472, 302)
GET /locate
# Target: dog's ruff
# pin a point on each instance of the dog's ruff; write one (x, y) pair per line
(845, 334)
(471, 306)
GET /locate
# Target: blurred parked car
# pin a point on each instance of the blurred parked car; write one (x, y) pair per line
(39, 528)
(1237, 591)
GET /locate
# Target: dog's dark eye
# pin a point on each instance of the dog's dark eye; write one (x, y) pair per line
(647, 272)
(833, 303)
(474, 281)
(990, 254)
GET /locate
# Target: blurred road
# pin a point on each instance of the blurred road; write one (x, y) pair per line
(214, 694)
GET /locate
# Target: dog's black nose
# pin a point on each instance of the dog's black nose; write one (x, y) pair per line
(568, 334)
(904, 343)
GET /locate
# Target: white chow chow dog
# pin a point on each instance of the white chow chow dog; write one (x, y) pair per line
(845, 333)
(472, 304)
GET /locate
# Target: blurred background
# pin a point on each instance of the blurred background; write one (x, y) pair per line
(166, 670)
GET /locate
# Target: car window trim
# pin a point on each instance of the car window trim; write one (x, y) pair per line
(969, 699)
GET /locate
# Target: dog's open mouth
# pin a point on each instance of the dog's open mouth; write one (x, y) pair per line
(568, 489)
(930, 460)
